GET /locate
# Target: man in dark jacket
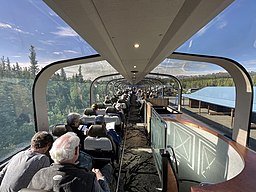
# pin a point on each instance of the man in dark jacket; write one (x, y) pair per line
(63, 174)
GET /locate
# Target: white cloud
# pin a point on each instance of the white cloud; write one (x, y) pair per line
(16, 56)
(222, 24)
(5, 26)
(8, 26)
(57, 53)
(70, 51)
(250, 62)
(218, 22)
(254, 44)
(190, 43)
(24, 64)
(47, 42)
(187, 68)
(65, 32)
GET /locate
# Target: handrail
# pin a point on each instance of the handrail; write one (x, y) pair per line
(169, 176)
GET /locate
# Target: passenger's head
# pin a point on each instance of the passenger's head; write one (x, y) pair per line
(99, 120)
(65, 149)
(41, 142)
(118, 107)
(107, 98)
(73, 120)
(94, 107)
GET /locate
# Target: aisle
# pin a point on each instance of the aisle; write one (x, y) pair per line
(138, 169)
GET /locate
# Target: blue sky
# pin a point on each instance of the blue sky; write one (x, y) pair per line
(30, 22)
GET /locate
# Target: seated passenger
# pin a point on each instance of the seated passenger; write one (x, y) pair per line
(84, 159)
(120, 111)
(19, 171)
(99, 120)
(63, 173)
(73, 120)
(107, 101)
(95, 108)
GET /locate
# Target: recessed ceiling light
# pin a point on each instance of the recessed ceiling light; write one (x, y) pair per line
(134, 66)
(136, 45)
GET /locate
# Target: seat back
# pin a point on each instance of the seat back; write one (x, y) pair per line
(101, 105)
(86, 120)
(32, 190)
(60, 129)
(100, 149)
(101, 112)
(97, 131)
(89, 111)
(98, 144)
(111, 110)
(115, 118)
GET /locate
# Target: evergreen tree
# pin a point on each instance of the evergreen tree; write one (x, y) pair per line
(34, 69)
(25, 73)
(17, 68)
(63, 74)
(8, 64)
(3, 65)
(80, 76)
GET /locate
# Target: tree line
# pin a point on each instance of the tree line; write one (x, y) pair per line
(64, 95)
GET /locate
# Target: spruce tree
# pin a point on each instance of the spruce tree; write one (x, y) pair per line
(34, 69)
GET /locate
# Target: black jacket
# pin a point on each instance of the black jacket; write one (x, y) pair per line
(72, 179)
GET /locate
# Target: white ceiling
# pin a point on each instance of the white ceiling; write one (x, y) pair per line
(112, 27)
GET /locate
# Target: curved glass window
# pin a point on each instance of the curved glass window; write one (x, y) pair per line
(16, 111)
(69, 89)
(32, 36)
(231, 34)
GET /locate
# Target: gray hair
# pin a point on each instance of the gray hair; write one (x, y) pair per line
(73, 119)
(63, 149)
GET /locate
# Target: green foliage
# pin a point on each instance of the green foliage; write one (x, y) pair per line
(204, 81)
(64, 95)
(34, 69)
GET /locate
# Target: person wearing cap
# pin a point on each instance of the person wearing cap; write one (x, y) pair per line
(22, 166)
(63, 174)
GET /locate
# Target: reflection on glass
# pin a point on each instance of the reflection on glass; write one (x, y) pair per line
(16, 111)
(69, 89)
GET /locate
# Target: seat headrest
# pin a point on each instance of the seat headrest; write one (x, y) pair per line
(32, 190)
(101, 105)
(60, 129)
(111, 110)
(99, 119)
(97, 131)
(89, 111)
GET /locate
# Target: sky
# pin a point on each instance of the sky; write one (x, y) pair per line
(30, 22)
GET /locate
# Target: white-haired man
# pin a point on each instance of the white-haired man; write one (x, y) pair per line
(63, 175)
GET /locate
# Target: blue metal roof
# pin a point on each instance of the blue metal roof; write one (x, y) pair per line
(223, 96)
